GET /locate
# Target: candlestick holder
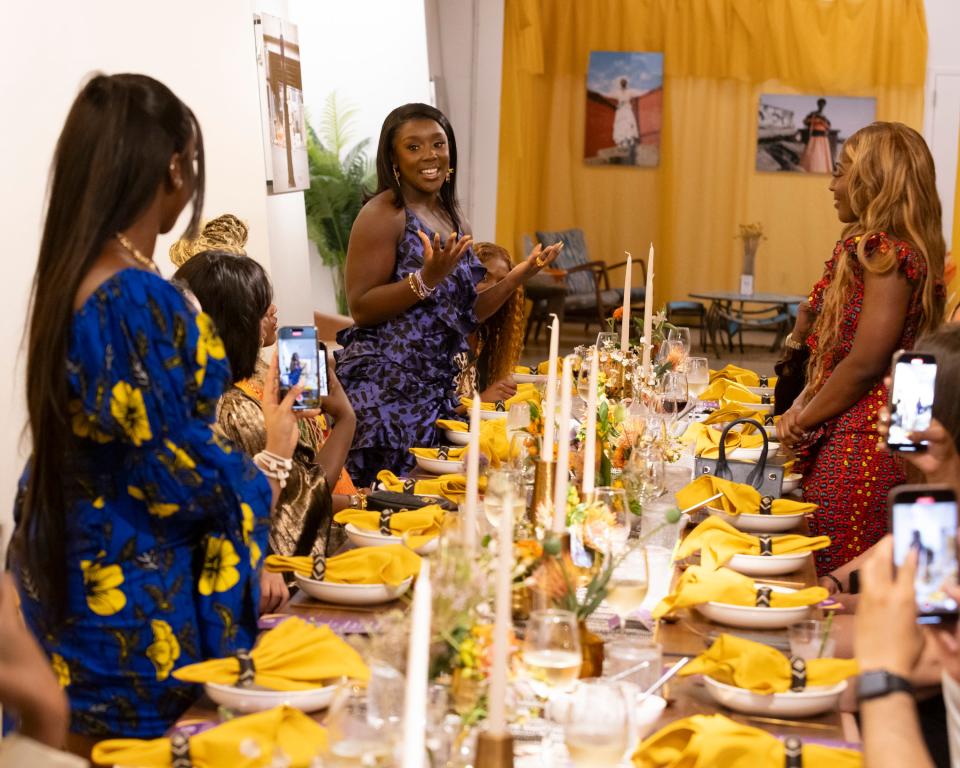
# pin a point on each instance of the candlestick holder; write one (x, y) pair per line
(494, 751)
(540, 513)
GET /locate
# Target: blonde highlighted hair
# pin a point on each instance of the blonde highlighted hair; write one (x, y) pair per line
(225, 233)
(504, 329)
(891, 184)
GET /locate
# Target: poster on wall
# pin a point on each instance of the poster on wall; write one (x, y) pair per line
(624, 109)
(805, 134)
(281, 104)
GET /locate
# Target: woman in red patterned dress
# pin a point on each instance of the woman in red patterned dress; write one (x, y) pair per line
(880, 290)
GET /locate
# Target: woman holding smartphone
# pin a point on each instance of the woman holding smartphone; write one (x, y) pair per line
(411, 279)
(139, 532)
(880, 290)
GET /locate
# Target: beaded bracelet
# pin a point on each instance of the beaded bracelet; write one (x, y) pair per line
(420, 289)
(273, 466)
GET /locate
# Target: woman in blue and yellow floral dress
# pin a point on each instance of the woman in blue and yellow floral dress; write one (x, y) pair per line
(138, 532)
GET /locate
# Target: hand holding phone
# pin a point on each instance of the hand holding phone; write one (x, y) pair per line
(911, 399)
(303, 362)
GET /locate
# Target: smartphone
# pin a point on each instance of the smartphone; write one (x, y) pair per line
(303, 361)
(911, 399)
(924, 518)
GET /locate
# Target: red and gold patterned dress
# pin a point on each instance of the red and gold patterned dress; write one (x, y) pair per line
(845, 472)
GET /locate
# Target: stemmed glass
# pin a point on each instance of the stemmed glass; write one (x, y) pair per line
(628, 585)
(596, 724)
(698, 376)
(498, 481)
(672, 350)
(524, 450)
(583, 376)
(683, 336)
(607, 339)
(611, 535)
(551, 651)
(673, 391)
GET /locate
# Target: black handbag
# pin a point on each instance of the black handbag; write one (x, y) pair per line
(392, 500)
(765, 476)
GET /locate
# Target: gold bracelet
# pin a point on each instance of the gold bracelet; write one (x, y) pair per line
(411, 281)
(791, 344)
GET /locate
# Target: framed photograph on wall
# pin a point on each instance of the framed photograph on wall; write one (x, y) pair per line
(805, 134)
(284, 125)
(624, 109)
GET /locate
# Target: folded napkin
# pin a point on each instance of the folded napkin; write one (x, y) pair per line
(391, 565)
(743, 376)
(737, 498)
(454, 425)
(540, 368)
(759, 668)
(526, 393)
(718, 541)
(417, 526)
(493, 437)
(452, 487)
(706, 741)
(445, 453)
(295, 656)
(252, 741)
(703, 585)
(707, 440)
(731, 411)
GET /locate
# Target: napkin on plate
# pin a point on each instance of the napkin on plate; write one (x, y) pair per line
(743, 376)
(391, 564)
(416, 526)
(707, 440)
(759, 668)
(229, 745)
(453, 454)
(540, 368)
(733, 411)
(703, 585)
(718, 541)
(737, 498)
(706, 741)
(526, 393)
(493, 437)
(452, 487)
(295, 656)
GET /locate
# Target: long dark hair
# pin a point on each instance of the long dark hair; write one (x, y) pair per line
(236, 292)
(386, 158)
(111, 157)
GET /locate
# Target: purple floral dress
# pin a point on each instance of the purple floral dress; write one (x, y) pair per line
(400, 375)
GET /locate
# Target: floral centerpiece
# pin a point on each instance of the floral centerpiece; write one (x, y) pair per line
(751, 235)
(610, 416)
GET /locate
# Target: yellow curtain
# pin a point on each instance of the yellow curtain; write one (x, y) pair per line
(952, 276)
(719, 56)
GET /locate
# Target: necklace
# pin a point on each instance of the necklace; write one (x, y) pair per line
(137, 256)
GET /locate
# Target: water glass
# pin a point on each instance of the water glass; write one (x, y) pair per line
(551, 651)
(596, 724)
(352, 739)
(524, 451)
(806, 640)
(643, 476)
(615, 531)
(630, 652)
(698, 375)
(674, 393)
(518, 418)
(628, 585)
(385, 693)
(498, 481)
(659, 571)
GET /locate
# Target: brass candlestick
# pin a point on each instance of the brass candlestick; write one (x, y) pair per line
(494, 751)
(541, 505)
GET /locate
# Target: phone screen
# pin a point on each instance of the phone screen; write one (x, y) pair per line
(911, 399)
(928, 524)
(301, 363)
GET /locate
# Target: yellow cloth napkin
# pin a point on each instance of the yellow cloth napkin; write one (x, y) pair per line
(703, 585)
(759, 668)
(493, 438)
(526, 393)
(710, 741)
(707, 440)
(718, 541)
(453, 425)
(416, 526)
(730, 392)
(391, 565)
(737, 498)
(294, 656)
(733, 411)
(453, 454)
(452, 487)
(742, 376)
(244, 742)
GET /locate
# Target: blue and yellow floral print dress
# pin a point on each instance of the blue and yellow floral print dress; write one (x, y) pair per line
(165, 522)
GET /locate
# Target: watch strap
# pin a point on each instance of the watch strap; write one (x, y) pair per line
(879, 682)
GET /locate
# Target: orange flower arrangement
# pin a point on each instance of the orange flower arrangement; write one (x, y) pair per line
(618, 313)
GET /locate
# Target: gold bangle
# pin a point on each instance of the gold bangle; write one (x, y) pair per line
(413, 286)
(791, 344)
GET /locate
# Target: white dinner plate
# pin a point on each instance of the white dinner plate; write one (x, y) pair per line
(457, 438)
(812, 701)
(791, 482)
(753, 454)
(757, 523)
(754, 617)
(363, 538)
(761, 390)
(352, 594)
(767, 565)
(440, 466)
(529, 378)
(258, 699)
(491, 415)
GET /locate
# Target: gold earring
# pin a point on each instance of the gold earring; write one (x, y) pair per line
(450, 172)
(396, 174)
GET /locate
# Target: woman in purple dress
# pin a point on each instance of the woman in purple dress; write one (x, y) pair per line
(411, 280)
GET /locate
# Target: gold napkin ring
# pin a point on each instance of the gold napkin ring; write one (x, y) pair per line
(409, 485)
(443, 452)
(319, 566)
(500, 405)
(798, 674)
(385, 515)
(247, 672)
(766, 545)
(792, 752)
(766, 505)
(763, 596)
(180, 751)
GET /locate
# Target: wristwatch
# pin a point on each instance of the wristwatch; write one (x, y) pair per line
(791, 343)
(879, 682)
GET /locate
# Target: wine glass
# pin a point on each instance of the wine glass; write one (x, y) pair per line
(524, 451)
(644, 473)
(352, 736)
(672, 351)
(616, 529)
(498, 481)
(551, 651)
(698, 376)
(683, 336)
(596, 723)
(583, 376)
(608, 339)
(628, 585)
(673, 391)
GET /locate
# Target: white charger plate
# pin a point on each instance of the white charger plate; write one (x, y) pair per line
(440, 466)
(529, 378)
(767, 565)
(352, 594)
(812, 701)
(753, 454)
(791, 482)
(752, 617)
(457, 438)
(761, 390)
(364, 538)
(491, 415)
(261, 699)
(756, 523)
